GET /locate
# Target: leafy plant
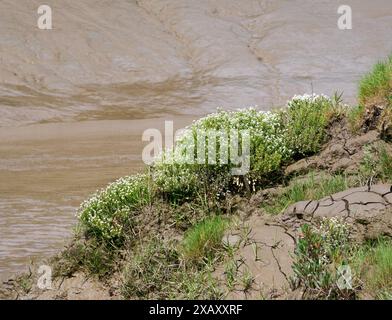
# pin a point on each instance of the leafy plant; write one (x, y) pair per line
(376, 164)
(318, 254)
(202, 241)
(373, 264)
(275, 139)
(376, 86)
(88, 256)
(210, 148)
(110, 211)
(308, 188)
(150, 269)
(306, 119)
(156, 271)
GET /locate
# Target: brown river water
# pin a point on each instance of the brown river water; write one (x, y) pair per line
(75, 100)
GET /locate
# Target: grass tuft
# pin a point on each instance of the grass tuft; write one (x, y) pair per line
(156, 271)
(202, 241)
(373, 264)
(310, 188)
(376, 165)
(376, 87)
(306, 119)
(88, 256)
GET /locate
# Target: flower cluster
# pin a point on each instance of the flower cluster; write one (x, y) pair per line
(176, 180)
(335, 234)
(260, 142)
(263, 129)
(307, 98)
(106, 213)
(320, 252)
(274, 139)
(305, 119)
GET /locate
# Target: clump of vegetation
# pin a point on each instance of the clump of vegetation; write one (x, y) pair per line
(319, 253)
(306, 118)
(156, 271)
(24, 283)
(89, 256)
(150, 269)
(110, 212)
(375, 99)
(373, 264)
(275, 139)
(202, 241)
(178, 182)
(355, 117)
(179, 176)
(376, 165)
(310, 188)
(376, 86)
(110, 219)
(209, 149)
(322, 253)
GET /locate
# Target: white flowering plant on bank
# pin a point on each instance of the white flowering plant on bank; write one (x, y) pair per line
(207, 154)
(266, 152)
(306, 119)
(275, 139)
(110, 210)
(175, 180)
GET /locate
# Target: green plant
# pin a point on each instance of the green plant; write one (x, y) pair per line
(247, 280)
(178, 182)
(376, 164)
(88, 256)
(306, 119)
(376, 86)
(202, 241)
(150, 270)
(107, 213)
(320, 251)
(375, 100)
(24, 282)
(207, 152)
(373, 263)
(311, 187)
(355, 117)
(231, 273)
(198, 284)
(155, 270)
(210, 149)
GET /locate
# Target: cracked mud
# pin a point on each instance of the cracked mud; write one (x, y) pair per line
(267, 247)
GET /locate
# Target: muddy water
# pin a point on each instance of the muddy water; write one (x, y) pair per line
(74, 100)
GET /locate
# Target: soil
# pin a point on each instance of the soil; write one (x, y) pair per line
(343, 152)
